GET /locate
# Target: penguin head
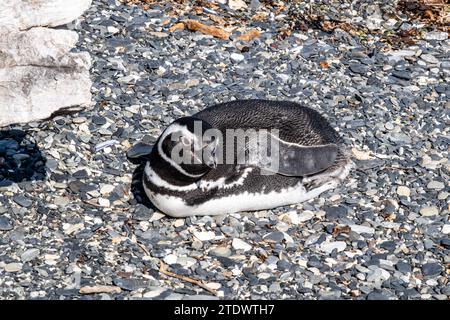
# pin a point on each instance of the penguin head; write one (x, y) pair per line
(185, 147)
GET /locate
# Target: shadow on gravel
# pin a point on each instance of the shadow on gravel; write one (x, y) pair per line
(20, 158)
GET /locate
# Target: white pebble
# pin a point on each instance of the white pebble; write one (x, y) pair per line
(238, 244)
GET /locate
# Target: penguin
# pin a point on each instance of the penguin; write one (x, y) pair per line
(215, 161)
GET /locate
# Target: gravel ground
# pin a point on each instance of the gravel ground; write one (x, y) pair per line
(79, 218)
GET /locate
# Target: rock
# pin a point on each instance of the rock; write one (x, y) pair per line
(333, 213)
(403, 191)
(403, 267)
(429, 58)
(22, 201)
(238, 244)
(328, 247)
(290, 217)
(23, 15)
(13, 267)
(205, 236)
(106, 189)
(436, 185)
(112, 29)
(445, 228)
(237, 4)
(389, 245)
(378, 275)
(5, 224)
(129, 284)
(237, 57)
(305, 216)
(376, 296)
(29, 93)
(104, 202)
(29, 255)
(221, 251)
(37, 64)
(431, 269)
(436, 35)
(170, 259)
(429, 211)
(362, 229)
(358, 68)
(154, 292)
(276, 236)
(41, 47)
(445, 243)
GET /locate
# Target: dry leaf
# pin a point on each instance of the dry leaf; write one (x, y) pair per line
(252, 34)
(324, 64)
(361, 155)
(338, 230)
(194, 25)
(177, 26)
(99, 289)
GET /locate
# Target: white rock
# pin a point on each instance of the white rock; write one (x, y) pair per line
(328, 247)
(36, 64)
(429, 211)
(237, 4)
(238, 244)
(104, 202)
(22, 15)
(436, 35)
(112, 29)
(221, 251)
(72, 228)
(378, 275)
(362, 229)
(13, 267)
(403, 191)
(205, 236)
(429, 58)
(170, 259)
(437, 185)
(178, 223)
(106, 189)
(305, 216)
(290, 217)
(446, 229)
(41, 46)
(30, 93)
(237, 57)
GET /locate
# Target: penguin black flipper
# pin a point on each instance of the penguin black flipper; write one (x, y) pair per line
(298, 160)
(139, 150)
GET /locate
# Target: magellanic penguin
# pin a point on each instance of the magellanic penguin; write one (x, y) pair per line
(309, 154)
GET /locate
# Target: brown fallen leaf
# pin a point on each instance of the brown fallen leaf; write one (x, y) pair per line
(177, 26)
(252, 34)
(338, 230)
(194, 25)
(99, 289)
(324, 64)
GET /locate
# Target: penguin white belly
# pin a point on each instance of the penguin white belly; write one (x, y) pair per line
(177, 207)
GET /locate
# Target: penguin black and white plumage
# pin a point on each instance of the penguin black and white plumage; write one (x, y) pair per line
(312, 159)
